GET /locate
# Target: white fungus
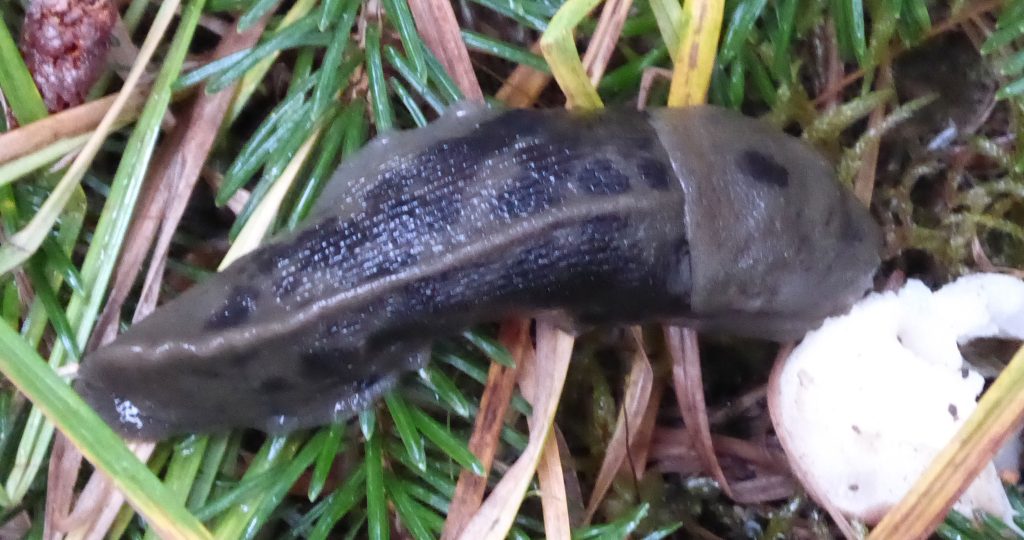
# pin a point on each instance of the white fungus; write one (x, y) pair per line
(865, 403)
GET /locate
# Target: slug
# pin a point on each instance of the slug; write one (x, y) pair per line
(696, 216)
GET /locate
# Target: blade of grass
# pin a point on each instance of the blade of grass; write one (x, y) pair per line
(376, 501)
(406, 426)
(270, 464)
(413, 516)
(291, 36)
(334, 73)
(671, 19)
(691, 76)
(325, 460)
(400, 16)
(99, 260)
(258, 9)
(408, 101)
(401, 65)
(492, 348)
(263, 216)
(496, 47)
(559, 49)
(380, 103)
(91, 435)
(254, 77)
(16, 82)
(740, 24)
(341, 502)
(348, 133)
(454, 447)
(15, 169)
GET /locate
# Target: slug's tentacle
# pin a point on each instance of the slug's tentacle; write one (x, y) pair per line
(590, 218)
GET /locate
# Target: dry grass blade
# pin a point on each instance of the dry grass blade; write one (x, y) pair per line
(440, 30)
(177, 166)
(99, 503)
(606, 37)
(17, 526)
(553, 499)
(524, 85)
(634, 407)
(493, 521)
(65, 463)
(1000, 411)
(864, 185)
(469, 491)
(258, 225)
(702, 24)
(788, 446)
(573, 490)
(642, 441)
(66, 124)
(688, 384)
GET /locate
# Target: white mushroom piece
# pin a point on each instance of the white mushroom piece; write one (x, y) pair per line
(865, 403)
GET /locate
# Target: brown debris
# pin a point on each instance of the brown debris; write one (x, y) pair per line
(440, 31)
(65, 45)
(688, 385)
(484, 442)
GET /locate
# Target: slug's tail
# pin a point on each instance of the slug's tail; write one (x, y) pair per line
(149, 401)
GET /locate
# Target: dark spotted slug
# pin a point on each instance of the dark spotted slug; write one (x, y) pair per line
(693, 216)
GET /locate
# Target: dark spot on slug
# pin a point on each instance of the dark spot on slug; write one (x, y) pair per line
(526, 195)
(325, 364)
(856, 428)
(237, 308)
(273, 385)
(953, 412)
(654, 173)
(602, 177)
(763, 168)
(206, 372)
(854, 487)
(369, 382)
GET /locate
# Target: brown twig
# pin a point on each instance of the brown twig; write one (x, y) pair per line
(524, 85)
(605, 38)
(440, 30)
(66, 124)
(864, 185)
(485, 439)
(689, 388)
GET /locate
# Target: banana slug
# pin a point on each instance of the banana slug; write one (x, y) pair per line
(695, 216)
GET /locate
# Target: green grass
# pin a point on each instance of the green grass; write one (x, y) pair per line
(403, 457)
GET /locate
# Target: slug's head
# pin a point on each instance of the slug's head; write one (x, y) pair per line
(776, 244)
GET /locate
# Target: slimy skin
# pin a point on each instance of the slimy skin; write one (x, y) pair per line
(694, 216)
